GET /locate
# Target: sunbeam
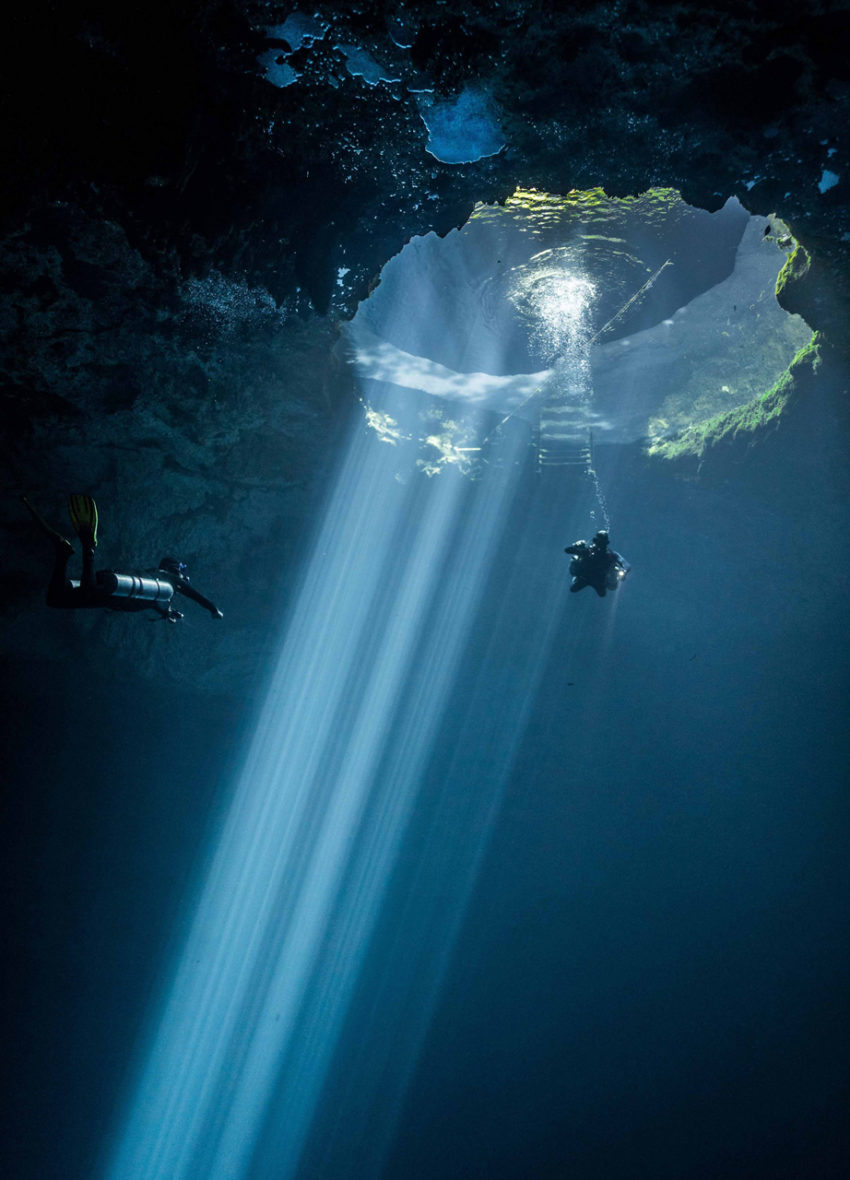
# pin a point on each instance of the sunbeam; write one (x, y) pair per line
(378, 670)
(294, 889)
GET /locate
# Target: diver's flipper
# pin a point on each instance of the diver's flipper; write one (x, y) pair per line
(55, 537)
(83, 513)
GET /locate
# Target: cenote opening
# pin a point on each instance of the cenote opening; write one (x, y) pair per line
(582, 316)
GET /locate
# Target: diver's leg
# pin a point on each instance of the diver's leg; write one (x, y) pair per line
(577, 584)
(83, 512)
(60, 591)
(89, 582)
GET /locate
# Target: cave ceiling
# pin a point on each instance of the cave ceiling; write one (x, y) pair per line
(170, 118)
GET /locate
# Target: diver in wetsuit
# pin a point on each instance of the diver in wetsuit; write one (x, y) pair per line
(596, 565)
(107, 588)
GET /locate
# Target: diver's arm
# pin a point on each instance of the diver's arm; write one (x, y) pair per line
(184, 587)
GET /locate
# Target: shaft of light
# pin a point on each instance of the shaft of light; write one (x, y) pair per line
(462, 817)
(282, 925)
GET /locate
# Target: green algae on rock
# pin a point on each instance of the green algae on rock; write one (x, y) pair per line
(745, 423)
(796, 267)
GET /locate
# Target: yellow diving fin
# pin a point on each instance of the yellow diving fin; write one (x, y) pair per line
(83, 513)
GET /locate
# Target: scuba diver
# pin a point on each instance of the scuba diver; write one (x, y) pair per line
(596, 565)
(106, 588)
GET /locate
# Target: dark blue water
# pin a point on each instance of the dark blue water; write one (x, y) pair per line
(613, 942)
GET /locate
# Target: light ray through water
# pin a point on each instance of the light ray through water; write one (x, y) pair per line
(296, 886)
(430, 906)
(368, 661)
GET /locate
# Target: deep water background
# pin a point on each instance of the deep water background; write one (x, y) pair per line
(650, 976)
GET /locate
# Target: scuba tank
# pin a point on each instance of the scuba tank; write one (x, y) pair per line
(156, 591)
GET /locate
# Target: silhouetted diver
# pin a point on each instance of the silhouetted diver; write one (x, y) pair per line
(596, 565)
(107, 588)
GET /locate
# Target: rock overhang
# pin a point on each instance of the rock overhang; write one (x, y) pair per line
(219, 165)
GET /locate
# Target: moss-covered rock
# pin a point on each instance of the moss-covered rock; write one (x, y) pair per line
(796, 267)
(743, 426)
